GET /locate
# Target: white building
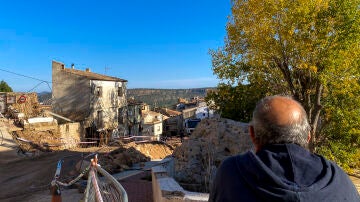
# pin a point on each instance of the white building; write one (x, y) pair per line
(152, 124)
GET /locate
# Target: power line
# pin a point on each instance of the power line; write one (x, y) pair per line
(30, 77)
(35, 86)
(39, 85)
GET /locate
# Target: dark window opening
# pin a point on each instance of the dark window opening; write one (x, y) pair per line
(120, 91)
(98, 91)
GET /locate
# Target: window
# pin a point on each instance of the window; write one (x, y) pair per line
(158, 128)
(120, 91)
(67, 128)
(98, 91)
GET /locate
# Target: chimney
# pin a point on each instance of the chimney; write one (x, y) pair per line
(87, 69)
(72, 66)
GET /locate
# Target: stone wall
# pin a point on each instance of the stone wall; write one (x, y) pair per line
(212, 141)
(70, 134)
(166, 189)
(70, 93)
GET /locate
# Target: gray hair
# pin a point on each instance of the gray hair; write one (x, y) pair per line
(267, 132)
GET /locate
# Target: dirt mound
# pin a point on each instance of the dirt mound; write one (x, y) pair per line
(128, 154)
(32, 140)
(212, 141)
(153, 150)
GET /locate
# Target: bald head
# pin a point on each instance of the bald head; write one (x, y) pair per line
(279, 119)
(281, 111)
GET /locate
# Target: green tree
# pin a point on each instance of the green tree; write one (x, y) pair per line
(341, 142)
(292, 47)
(4, 87)
(235, 102)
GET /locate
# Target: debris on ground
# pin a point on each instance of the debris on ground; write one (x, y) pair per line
(128, 154)
(212, 141)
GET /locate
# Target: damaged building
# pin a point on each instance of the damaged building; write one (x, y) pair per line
(134, 117)
(152, 123)
(97, 101)
(32, 127)
(19, 105)
(173, 124)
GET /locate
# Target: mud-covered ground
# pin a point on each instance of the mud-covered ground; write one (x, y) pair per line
(28, 178)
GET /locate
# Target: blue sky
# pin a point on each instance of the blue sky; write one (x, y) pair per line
(152, 44)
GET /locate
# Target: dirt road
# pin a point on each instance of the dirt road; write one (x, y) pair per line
(21, 179)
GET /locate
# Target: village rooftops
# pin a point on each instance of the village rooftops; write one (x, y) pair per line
(152, 113)
(90, 75)
(169, 112)
(152, 117)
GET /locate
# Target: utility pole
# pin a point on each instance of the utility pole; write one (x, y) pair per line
(106, 68)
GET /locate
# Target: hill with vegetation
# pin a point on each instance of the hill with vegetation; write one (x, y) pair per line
(164, 97)
(154, 97)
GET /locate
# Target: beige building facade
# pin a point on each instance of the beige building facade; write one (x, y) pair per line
(95, 100)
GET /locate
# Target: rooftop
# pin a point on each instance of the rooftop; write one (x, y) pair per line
(90, 75)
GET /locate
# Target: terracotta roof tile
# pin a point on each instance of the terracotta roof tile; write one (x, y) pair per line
(92, 75)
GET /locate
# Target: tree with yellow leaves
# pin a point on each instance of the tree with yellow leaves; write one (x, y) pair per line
(303, 48)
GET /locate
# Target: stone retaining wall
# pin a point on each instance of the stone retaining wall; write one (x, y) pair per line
(166, 189)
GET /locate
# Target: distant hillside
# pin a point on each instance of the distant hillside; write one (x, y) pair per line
(44, 96)
(164, 97)
(158, 97)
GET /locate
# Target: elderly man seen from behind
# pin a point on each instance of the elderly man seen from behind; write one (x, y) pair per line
(282, 169)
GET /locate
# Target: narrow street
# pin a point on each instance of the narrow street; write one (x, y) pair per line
(8, 146)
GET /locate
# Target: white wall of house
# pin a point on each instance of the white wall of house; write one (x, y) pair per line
(106, 99)
(158, 129)
(153, 124)
(204, 112)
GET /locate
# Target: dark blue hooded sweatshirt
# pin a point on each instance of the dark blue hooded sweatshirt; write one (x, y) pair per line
(281, 172)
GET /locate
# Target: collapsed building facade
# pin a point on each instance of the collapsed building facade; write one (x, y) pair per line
(134, 117)
(19, 104)
(97, 101)
(33, 128)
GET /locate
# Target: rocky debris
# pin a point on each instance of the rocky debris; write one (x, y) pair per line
(212, 141)
(153, 150)
(31, 140)
(30, 106)
(123, 158)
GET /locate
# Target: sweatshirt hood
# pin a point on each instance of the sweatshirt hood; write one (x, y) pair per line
(288, 172)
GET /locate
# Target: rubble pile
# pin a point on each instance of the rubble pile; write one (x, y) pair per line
(153, 150)
(29, 107)
(121, 159)
(130, 153)
(212, 141)
(32, 140)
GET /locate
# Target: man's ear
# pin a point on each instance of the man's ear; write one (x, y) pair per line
(252, 137)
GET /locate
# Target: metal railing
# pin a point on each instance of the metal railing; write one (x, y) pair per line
(101, 186)
(105, 188)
